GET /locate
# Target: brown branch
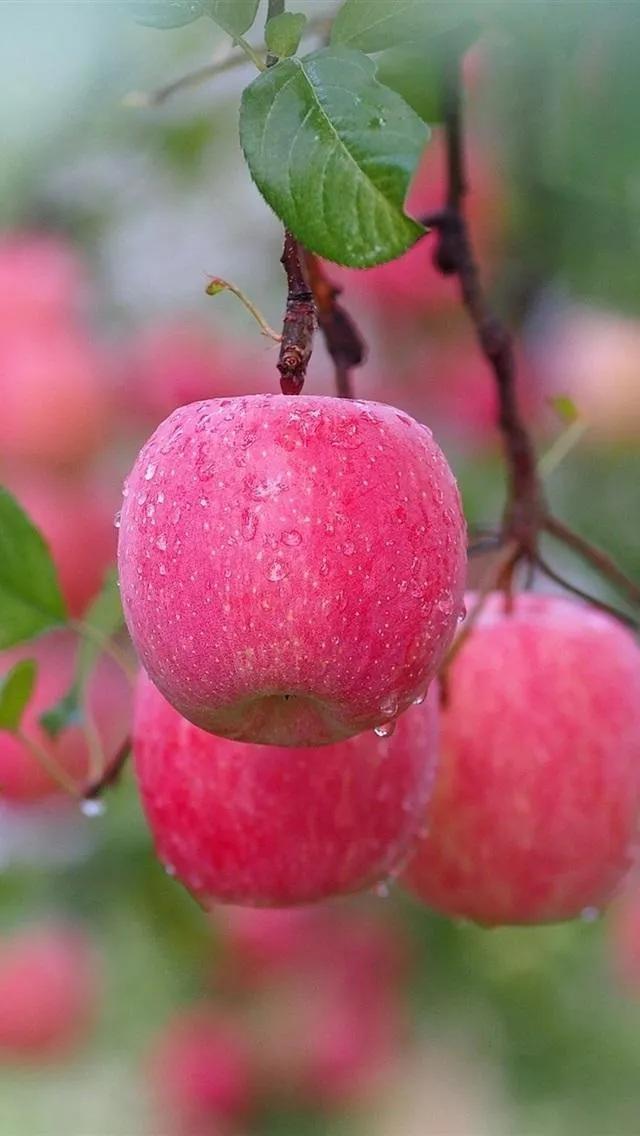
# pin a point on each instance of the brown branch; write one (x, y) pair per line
(111, 774)
(594, 556)
(343, 339)
(299, 320)
(454, 256)
(623, 617)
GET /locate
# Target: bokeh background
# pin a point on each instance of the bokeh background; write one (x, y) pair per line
(369, 1016)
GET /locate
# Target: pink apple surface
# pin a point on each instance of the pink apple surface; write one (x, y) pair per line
(535, 810)
(76, 517)
(49, 991)
(53, 392)
(22, 779)
(291, 569)
(271, 825)
(41, 278)
(201, 1073)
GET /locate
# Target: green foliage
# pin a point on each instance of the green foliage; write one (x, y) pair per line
(373, 26)
(16, 689)
(284, 32)
(66, 712)
(565, 408)
(30, 596)
(333, 152)
(234, 16)
(414, 77)
(104, 617)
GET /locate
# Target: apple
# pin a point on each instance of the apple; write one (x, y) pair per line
(173, 363)
(49, 991)
(53, 391)
(276, 826)
(76, 517)
(22, 779)
(201, 1073)
(41, 278)
(535, 811)
(291, 570)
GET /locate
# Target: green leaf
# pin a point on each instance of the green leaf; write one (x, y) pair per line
(66, 712)
(414, 77)
(333, 152)
(283, 33)
(371, 26)
(30, 597)
(16, 689)
(167, 13)
(104, 617)
(234, 16)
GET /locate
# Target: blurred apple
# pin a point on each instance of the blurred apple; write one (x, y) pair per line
(22, 778)
(41, 279)
(49, 990)
(76, 518)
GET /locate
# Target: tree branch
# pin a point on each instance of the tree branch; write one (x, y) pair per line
(598, 559)
(343, 339)
(299, 320)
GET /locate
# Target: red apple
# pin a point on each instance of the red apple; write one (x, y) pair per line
(201, 1073)
(49, 986)
(171, 364)
(535, 810)
(270, 825)
(291, 568)
(22, 779)
(41, 279)
(76, 518)
(53, 393)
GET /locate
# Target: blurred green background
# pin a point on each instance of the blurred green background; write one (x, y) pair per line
(529, 1032)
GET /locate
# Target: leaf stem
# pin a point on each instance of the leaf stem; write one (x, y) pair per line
(217, 284)
(106, 645)
(49, 765)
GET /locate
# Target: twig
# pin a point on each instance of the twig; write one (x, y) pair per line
(599, 560)
(217, 284)
(299, 320)
(218, 66)
(343, 339)
(111, 773)
(602, 605)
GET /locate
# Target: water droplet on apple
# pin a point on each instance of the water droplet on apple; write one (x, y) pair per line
(149, 471)
(389, 705)
(169, 869)
(161, 543)
(92, 807)
(291, 538)
(249, 525)
(419, 698)
(589, 914)
(384, 730)
(117, 519)
(276, 572)
(383, 890)
(348, 548)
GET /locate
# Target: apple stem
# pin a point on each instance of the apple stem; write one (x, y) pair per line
(110, 775)
(526, 514)
(342, 337)
(299, 320)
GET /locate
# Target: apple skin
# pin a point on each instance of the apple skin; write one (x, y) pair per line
(50, 981)
(22, 779)
(201, 1073)
(534, 815)
(276, 826)
(291, 570)
(62, 508)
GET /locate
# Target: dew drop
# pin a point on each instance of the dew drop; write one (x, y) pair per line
(149, 471)
(249, 525)
(169, 869)
(348, 548)
(92, 807)
(384, 730)
(117, 519)
(419, 698)
(589, 914)
(161, 543)
(382, 889)
(204, 502)
(389, 705)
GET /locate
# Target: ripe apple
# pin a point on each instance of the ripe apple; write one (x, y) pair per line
(41, 278)
(535, 810)
(49, 990)
(272, 825)
(76, 517)
(291, 569)
(22, 779)
(53, 391)
(201, 1073)
(171, 364)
